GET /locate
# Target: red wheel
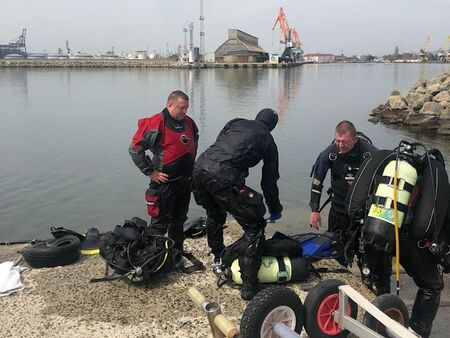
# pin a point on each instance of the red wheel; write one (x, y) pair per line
(320, 304)
(325, 315)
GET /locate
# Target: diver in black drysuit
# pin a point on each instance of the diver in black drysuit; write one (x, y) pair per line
(343, 168)
(422, 267)
(419, 263)
(219, 186)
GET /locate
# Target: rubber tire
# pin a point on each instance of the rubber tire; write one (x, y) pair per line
(54, 252)
(316, 296)
(263, 303)
(392, 306)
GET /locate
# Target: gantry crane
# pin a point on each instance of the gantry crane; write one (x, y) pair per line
(289, 38)
(445, 55)
(423, 57)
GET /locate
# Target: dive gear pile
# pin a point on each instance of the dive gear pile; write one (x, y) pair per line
(132, 250)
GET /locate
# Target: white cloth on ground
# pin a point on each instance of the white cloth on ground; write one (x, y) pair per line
(10, 278)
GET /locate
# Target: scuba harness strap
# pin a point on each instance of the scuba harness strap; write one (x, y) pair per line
(197, 265)
(282, 272)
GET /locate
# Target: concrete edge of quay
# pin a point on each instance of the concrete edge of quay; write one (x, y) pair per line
(124, 63)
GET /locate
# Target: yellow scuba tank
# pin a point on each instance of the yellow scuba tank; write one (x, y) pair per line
(379, 225)
(276, 270)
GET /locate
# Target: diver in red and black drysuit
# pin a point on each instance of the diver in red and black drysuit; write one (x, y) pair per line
(172, 137)
(219, 186)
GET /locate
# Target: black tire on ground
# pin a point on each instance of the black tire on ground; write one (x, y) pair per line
(393, 307)
(53, 252)
(320, 304)
(271, 305)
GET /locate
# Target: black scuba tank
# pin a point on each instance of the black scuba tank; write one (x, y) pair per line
(431, 207)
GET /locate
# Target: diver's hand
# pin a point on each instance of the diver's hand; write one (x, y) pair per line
(315, 220)
(274, 217)
(158, 177)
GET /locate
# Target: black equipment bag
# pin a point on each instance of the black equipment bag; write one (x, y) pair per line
(280, 245)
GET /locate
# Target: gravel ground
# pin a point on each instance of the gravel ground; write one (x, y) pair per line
(61, 301)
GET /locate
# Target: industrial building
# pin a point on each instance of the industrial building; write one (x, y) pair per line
(320, 58)
(240, 47)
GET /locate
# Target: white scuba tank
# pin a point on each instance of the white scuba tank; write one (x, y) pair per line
(379, 228)
(406, 173)
(294, 269)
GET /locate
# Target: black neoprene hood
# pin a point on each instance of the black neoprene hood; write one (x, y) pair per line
(269, 117)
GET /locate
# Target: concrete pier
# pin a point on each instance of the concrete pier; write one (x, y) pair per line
(125, 63)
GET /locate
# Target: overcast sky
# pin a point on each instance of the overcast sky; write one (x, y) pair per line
(326, 26)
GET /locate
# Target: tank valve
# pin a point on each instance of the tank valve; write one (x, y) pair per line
(365, 270)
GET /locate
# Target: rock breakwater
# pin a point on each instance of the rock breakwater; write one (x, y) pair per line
(426, 106)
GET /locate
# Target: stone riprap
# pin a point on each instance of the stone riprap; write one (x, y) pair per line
(426, 106)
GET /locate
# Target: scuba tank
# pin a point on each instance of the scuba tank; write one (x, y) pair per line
(431, 207)
(379, 226)
(276, 270)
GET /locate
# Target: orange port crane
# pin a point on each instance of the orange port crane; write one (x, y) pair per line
(289, 36)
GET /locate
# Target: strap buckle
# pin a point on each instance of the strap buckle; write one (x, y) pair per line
(282, 276)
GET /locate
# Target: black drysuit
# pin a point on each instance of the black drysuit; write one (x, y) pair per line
(343, 169)
(219, 186)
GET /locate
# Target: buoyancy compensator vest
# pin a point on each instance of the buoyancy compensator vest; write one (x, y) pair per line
(421, 182)
(131, 250)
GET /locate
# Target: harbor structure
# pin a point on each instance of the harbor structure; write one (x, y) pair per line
(16, 47)
(240, 47)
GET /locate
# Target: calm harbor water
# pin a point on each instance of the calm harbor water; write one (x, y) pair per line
(64, 133)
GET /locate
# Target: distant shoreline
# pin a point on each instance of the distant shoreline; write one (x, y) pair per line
(127, 63)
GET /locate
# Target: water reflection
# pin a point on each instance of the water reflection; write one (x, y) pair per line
(14, 83)
(64, 132)
(288, 89)
(430, 139)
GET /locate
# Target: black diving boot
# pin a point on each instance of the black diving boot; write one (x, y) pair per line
(424, 310)
(249, 274)
(178, 263)
(249, 291)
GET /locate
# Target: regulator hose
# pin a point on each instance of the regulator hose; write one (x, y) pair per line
(397, 241)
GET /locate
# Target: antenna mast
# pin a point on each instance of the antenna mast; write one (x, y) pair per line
(191, 36)
(202, 29)
(185, 39)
